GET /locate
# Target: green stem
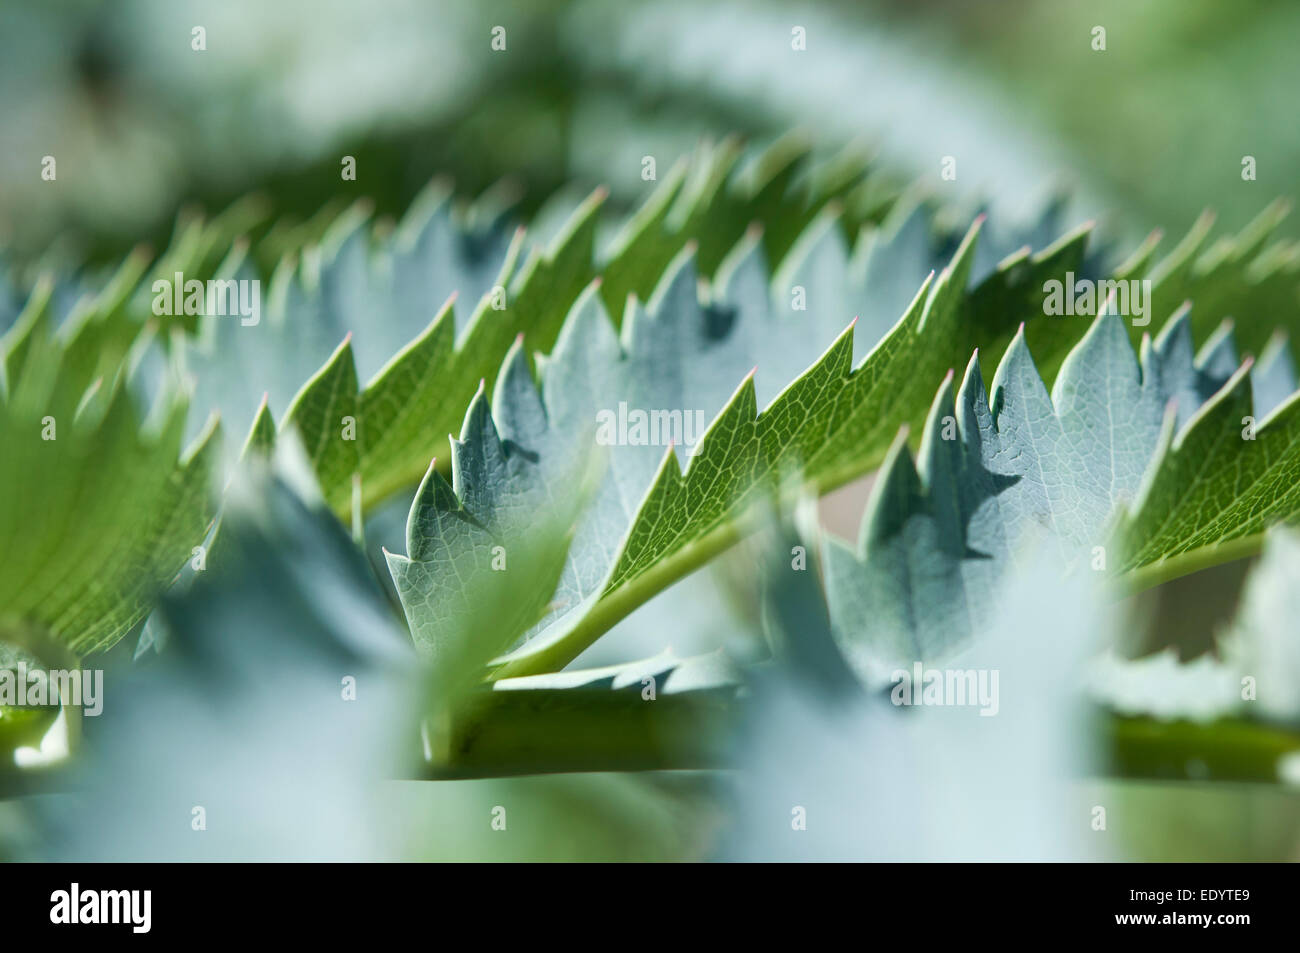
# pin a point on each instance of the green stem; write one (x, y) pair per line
(1230, 749)
(1184, 564)
(551, 731)
(27, 782)
(541, 731)
(551, 653)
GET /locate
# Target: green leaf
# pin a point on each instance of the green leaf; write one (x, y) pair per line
(417, 391)
(498, 575)
(378, 292)
(1243, 276)
(118, 512)
(256, 681)
(22, 725)
(324, 414)
(649, 523)
(831, 424)
(1218, 484)
(713, 197)
(94, 335)
(999, 473)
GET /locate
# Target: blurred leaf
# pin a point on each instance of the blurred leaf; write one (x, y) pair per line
(656, 714)
(246, 711)
(1164, 822)
(422, 380)
(828, 772)
(118, 514)
(281, 705)
(1230, 715)
(1245, 277)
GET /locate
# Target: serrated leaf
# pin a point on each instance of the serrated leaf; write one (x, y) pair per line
(325, 415)
(97, 514)
(832, 423)
(1000, 473)
(382, 292)
(1219, 483)
(713, 197)
(419, 393)
(1246, 277)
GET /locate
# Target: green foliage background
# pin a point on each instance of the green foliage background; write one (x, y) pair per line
(243, 142)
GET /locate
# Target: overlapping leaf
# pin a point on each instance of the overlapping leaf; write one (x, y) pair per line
(1218, 484)
(998, 473)
(96, 514)
(649, 522)
(1250, 277)
(419, 393)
